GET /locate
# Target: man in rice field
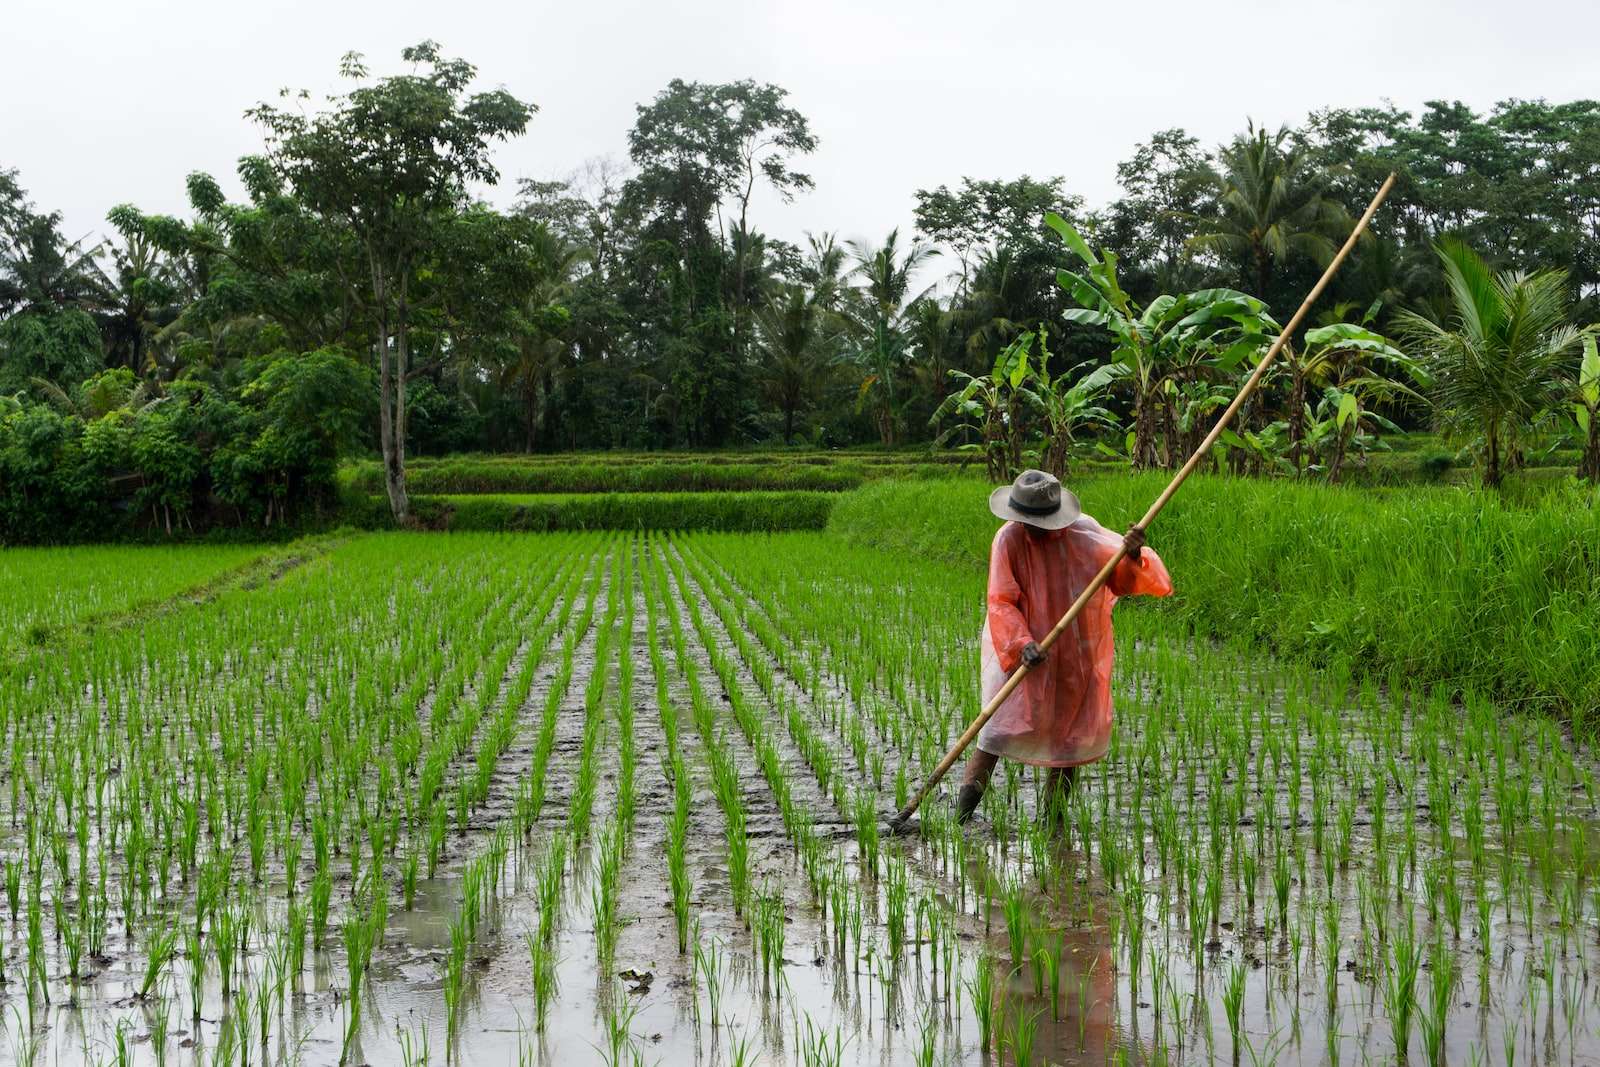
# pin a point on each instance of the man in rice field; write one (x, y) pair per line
(1042, 558)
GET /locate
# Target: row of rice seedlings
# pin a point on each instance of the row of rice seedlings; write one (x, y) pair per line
(613, 845)
(552, 867)
(676, 768)
(725, 780)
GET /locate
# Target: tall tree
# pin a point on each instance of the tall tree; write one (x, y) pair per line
(982, 217)
(701, 151)
(48, 287)
(1167, 196)
(1272, 208)
(885, 271)
(389, 162)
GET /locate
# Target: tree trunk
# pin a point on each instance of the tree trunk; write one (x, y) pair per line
(1173, 447)
(1297, 422)
(1143, 446)
(1491, 465)
(1590, 467)
(393, 461)
(533, 405)
(402, 355)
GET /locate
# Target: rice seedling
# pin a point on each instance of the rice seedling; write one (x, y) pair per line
(768, 923)
(1400, 985)
(546, 983)
(709, 966)
(1233, 1003)
(1441, 990)
(620, 1048)
(819, 1047)
(414, 1049)
(1024, 1029)
(980, 987)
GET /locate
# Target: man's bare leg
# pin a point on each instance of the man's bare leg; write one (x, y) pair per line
(974, 780)
(1057, 790)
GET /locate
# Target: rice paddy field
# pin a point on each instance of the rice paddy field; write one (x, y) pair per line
(618, 797)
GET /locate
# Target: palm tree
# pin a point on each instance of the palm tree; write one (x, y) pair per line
(534, 370)
(994, 305)
(1272, 207)
(886, 272)
(1498, 364)
(139, 300)
(41, 271)
(794, 337)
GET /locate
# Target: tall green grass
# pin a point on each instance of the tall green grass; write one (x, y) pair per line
(1445, 587)
(731, 512)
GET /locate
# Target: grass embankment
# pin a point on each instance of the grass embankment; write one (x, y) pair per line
(527, 475)
(45, 589)
(1441, 586)
(732, 512)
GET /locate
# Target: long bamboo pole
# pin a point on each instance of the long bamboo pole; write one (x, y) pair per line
(901, 817)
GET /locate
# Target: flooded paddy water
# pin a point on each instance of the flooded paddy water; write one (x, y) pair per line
(612, 798)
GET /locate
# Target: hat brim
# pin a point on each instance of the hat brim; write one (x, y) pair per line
(1064, 516)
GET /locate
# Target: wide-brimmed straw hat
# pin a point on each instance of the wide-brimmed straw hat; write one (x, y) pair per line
(1037, 499)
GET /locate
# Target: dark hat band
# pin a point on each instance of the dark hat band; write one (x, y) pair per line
(1028, 509)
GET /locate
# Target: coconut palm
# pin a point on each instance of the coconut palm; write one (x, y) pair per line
(886, 272)
(1272, 207)
(139, 298)
(535, 369)
(1498, 363)
(795, 338)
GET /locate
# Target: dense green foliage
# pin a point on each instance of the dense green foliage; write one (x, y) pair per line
(1447, 587)
(642, 306)
(108, 458)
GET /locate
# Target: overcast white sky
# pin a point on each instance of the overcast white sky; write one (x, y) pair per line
(104, 101)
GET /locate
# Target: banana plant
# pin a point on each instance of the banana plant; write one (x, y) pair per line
(1066, 408)
(1586, 409)
(1343, 424)
(990, 407)
(1355, 360)
(1266, 448)
(1177, 338)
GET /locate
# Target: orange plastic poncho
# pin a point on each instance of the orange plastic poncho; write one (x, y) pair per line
(1060, 716)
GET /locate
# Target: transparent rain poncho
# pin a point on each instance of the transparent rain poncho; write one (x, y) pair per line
(1060, 716)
